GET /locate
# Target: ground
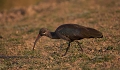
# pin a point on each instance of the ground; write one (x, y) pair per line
(19, 28)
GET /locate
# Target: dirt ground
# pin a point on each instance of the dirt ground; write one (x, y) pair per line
(20, 26)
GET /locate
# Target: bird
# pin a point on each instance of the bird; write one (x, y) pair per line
(69, 32)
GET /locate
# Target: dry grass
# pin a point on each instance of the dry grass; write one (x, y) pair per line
(17, 37)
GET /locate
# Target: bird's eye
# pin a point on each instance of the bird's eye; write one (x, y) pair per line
(44, 33)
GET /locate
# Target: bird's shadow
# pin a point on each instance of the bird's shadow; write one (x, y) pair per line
(17, 56)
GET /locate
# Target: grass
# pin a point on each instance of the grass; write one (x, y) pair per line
(17, 38)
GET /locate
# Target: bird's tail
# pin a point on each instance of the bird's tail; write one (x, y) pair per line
(95, 33)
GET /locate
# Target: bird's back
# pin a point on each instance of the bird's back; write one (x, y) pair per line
(76, 32)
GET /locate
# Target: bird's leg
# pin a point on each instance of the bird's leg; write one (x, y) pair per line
(67, 48)
(79, 45)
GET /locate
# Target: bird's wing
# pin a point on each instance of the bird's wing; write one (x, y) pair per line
(72, 33)
(95, 33)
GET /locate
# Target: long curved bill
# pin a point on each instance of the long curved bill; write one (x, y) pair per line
(38, 37)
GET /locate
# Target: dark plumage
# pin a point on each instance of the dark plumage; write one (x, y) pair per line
(70, 32)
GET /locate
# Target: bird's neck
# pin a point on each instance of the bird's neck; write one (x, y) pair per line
(54, 35)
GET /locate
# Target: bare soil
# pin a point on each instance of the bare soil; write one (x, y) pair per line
(19, 28)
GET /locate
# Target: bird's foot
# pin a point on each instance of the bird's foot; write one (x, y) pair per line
(63, 55)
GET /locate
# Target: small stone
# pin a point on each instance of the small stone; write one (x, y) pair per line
(98, 48)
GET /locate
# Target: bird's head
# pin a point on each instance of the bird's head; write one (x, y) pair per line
(42, 32)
